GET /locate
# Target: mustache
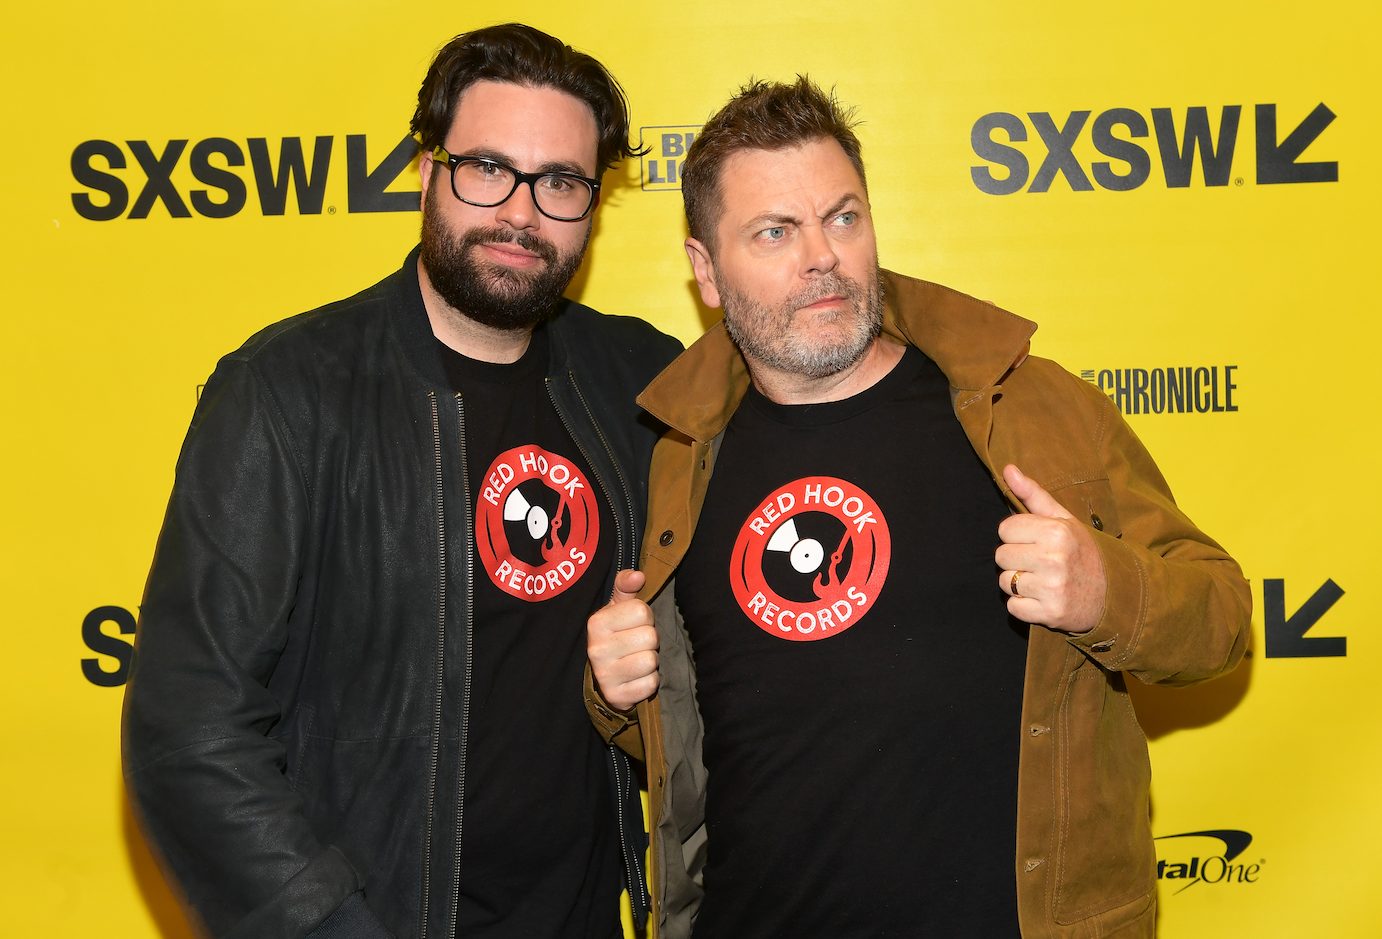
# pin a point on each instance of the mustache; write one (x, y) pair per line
(833, 284)
(525, 240)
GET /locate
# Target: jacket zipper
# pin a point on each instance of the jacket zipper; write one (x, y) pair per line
(623, 561)
(468, 625)
(623, 775)
(441, 661)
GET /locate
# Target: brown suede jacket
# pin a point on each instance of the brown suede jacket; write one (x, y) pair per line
(1177, 610)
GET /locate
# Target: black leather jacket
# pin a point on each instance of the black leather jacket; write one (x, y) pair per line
(295, 723)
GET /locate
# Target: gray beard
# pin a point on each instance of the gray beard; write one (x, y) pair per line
(764, 334)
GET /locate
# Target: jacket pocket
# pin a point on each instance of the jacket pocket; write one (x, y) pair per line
(1104, 853)
(1091, 502)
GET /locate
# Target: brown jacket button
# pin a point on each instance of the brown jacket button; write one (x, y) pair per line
(665, 538)
(1096, 521)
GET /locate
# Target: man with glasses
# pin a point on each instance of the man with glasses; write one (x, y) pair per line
(355, 704)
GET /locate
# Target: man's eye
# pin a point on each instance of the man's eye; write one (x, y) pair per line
(776, 233)
(847, 218)
(558, 185)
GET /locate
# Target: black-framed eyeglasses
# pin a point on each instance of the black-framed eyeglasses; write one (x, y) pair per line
(479, 181)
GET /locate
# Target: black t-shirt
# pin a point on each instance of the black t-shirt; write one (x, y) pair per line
(858, 673)
(539, 853)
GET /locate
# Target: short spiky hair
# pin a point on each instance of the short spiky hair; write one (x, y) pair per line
(521, 55)
(761, 116)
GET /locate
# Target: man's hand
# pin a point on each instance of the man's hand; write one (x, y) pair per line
(1053, 558)
(621, 642)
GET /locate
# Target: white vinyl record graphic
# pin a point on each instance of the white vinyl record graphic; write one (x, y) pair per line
(517, 509)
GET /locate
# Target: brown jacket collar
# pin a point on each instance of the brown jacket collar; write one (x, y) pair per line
(975, 344)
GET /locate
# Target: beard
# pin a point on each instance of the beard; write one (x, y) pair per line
(490, 295)
(766, 334)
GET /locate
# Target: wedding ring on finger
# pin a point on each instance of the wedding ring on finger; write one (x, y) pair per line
(1012, 584)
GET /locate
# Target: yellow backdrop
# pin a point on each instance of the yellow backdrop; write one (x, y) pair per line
(1185, 196)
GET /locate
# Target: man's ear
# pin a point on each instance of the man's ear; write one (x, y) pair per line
(704, 270)
(425, 168)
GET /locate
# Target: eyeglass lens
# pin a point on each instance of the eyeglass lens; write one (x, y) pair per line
(481, 183)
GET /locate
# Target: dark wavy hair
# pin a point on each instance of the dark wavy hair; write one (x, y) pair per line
(521, 55)
(762, 115)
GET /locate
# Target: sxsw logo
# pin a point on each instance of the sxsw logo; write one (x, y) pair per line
(1205, 857)
(214, 178)
(1184, 140)
(667, 145)
(1180, 389)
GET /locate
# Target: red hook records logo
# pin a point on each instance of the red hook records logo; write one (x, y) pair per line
(537, 524)
(810, 562)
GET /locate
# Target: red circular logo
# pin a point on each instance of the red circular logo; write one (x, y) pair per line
(536, 523)
(810, 562)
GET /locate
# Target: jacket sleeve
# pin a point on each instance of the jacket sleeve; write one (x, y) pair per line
(201, 762)
(1177, 608)
(612, 726)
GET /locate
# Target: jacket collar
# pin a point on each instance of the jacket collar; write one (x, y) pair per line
(975, 344)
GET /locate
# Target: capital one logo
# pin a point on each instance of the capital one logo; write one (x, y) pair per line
(1180, 140)
(1205, 857)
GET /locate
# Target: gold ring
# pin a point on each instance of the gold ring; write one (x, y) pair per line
(1012, 584)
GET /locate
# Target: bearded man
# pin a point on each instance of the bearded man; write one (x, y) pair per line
(355, 707)
(896, 574)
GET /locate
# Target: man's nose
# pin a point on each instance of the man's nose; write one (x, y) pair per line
(519, 210)
(818, 252)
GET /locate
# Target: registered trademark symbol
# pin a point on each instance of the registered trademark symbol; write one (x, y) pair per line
(331, 209)
(1237, 181)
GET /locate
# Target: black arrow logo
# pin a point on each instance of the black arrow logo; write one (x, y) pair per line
(1286, 637)
(367, 189)
(1276, 163)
